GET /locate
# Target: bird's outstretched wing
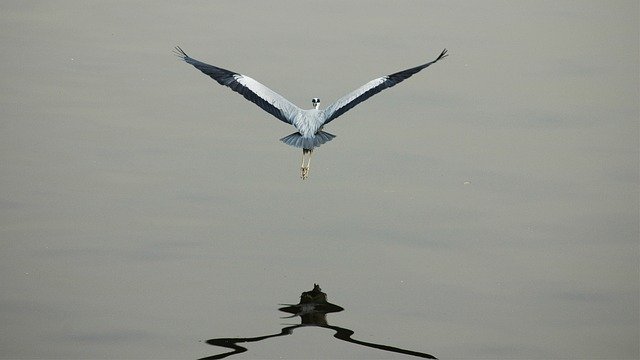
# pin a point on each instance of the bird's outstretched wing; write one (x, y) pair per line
(265, 98)
(371, 88)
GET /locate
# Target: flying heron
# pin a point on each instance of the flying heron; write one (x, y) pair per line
(308, 123)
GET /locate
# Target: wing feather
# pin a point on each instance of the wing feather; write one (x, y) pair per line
(267, 99)
(371, 88)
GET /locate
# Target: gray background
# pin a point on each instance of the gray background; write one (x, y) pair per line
(485, 208)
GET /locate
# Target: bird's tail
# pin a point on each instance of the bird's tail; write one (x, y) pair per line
(299, 141)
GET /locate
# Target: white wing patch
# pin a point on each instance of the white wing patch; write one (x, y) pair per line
(288, 109)
(345, 100)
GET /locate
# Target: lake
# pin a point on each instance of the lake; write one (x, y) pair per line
(488, 207)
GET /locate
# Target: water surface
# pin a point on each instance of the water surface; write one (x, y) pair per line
(485, 208)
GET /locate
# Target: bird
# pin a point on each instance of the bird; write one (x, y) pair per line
(309, 123)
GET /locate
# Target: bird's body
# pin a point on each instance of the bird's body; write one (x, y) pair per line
(308, 123)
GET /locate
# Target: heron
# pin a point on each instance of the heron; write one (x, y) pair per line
(309, 123)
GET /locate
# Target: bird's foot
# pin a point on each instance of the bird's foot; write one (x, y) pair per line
(304, 172)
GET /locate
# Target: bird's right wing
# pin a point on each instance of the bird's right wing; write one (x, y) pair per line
(265, 98)
(371, 88)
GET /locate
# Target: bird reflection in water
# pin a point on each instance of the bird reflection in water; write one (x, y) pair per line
(312, 310)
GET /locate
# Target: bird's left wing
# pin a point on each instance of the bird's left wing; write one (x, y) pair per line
(265, 98)
(371, 88)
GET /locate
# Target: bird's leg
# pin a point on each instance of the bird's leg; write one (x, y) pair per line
(304, 171)
(309, 161)
(304, 168)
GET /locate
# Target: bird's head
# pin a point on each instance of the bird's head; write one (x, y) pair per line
(315, 102)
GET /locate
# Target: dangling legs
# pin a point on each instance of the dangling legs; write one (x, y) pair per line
(309, 160)
(304, 169)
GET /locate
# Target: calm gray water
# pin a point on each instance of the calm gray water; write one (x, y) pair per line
(485, 208)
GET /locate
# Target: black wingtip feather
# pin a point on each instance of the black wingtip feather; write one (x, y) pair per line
(442, 54)
(179, 52)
